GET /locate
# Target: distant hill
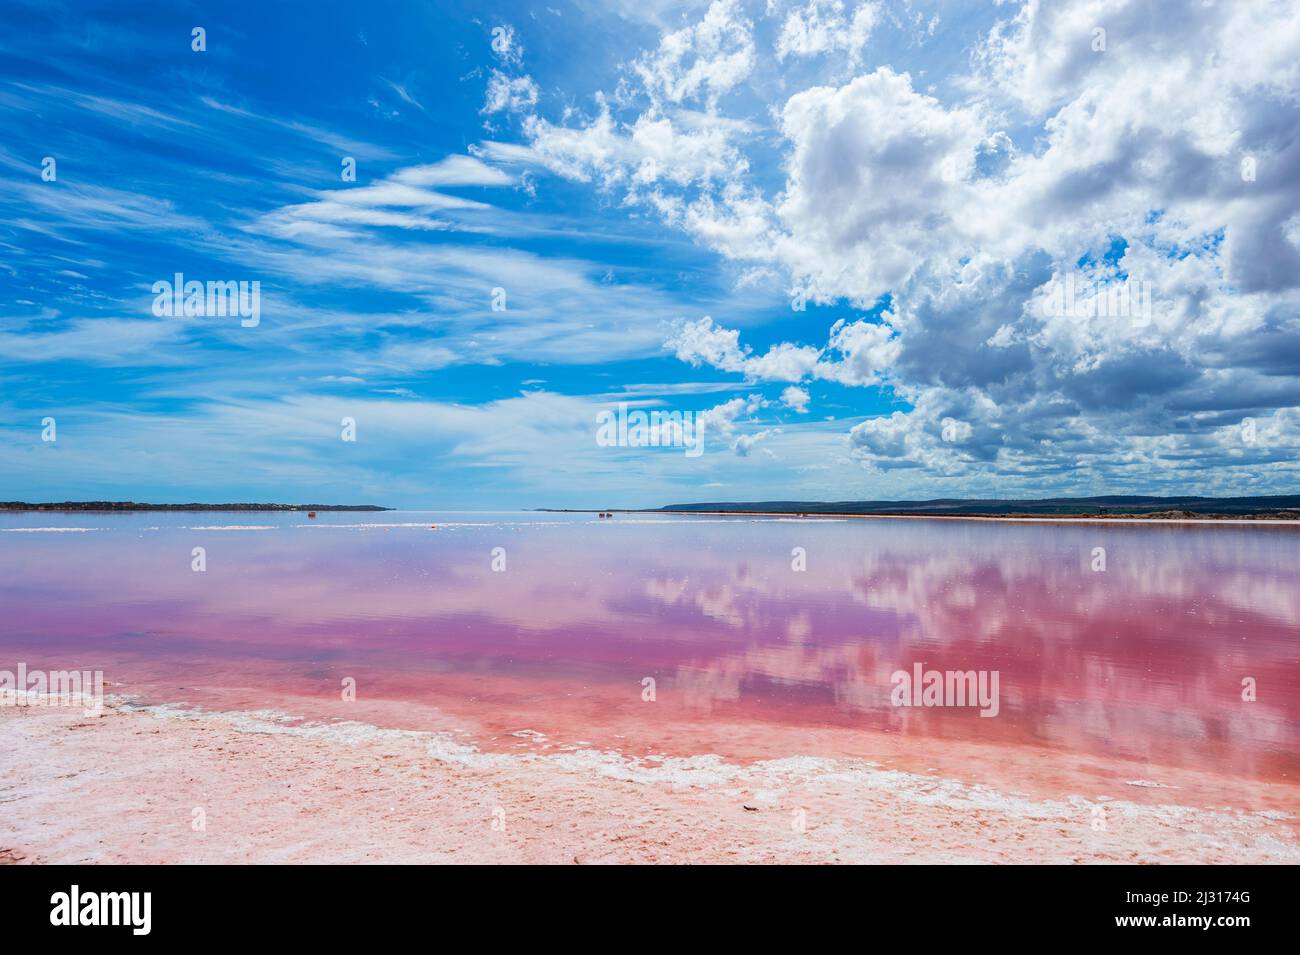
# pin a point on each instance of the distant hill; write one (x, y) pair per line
(134, 506)
(1285, 507)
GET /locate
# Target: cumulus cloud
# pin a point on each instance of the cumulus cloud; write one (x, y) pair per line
(824, 26)
(866, 198)
(855, 354)
(701, 61)
(1134, 151)
(661, 131)
(796, 399)
(704, 343)
(744, 445)
(724, 418)
(867, 350)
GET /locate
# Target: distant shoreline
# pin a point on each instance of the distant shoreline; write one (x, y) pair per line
(1285, 520)
(1108, 508)
(113, 506)
(1171, 515)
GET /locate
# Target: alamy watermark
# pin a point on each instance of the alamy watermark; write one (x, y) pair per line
(194, 299)
(53, 688)
(1069, 297)
(653, 429)
(130, 909)
(924, 687)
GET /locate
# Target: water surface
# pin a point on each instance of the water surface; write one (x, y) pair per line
(1143, 662)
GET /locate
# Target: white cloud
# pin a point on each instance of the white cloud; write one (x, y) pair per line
(866, 199)
(824, 26)
(724, 418)
(100, 341)
(891, 190)
(680, 149)
(406, 199)
(702, 61)
(506, 46)
(403, 93)
(455, 170)
(865, 351)
(960, 188)
(703, 342)
(745, 443)
(796, 399)
(509, 94)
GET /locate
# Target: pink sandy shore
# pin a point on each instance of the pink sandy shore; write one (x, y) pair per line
(125, 786)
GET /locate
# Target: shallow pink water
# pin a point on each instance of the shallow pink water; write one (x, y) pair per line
(1143, 662)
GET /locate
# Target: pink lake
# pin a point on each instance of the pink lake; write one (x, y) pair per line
(1137, 670)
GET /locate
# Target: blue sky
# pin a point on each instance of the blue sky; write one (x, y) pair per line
(652, 185)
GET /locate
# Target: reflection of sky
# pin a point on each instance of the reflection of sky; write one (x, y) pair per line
(1145, 659)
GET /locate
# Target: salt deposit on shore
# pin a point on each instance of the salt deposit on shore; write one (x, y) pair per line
(134, 784)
